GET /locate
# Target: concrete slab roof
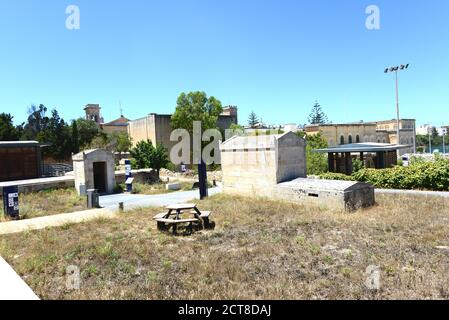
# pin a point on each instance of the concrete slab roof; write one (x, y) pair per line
(253, 142)
(363, 147)
(15, 144)
(322, 185)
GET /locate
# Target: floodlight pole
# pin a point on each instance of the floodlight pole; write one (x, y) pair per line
(397, 107)
(396, 70)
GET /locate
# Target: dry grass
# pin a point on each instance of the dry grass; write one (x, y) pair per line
(157, 188)
(48, 202)
(259, 250)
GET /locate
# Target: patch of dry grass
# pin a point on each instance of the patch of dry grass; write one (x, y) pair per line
(260, 249)
(157, 188)
(48, 202)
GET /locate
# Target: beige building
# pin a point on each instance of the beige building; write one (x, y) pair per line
(93, 113)
(379, 132)
(254, 164)
(157, 127)
(116, 126)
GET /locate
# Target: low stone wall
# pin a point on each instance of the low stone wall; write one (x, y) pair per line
(341, 195)
(35, 185)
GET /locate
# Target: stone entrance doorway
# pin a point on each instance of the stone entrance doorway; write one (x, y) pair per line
(100, 176)
(94, 169)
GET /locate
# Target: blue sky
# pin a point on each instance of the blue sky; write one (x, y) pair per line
(273, 57)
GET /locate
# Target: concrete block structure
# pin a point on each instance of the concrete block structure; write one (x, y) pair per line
(274, 166)
(252, 165)
(94, 169)
(340, 195)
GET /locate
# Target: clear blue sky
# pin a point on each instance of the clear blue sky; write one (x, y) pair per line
(273, 57)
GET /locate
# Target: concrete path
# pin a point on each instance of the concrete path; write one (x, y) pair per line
(12, 287)
(109, 210)
(441, 194)
(53, 220)
(132, 201)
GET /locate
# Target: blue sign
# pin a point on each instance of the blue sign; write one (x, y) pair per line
(11, 202)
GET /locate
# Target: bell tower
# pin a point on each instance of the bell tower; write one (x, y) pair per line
(93, 113)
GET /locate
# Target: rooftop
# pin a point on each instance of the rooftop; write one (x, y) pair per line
(11, 144)
(363, 147)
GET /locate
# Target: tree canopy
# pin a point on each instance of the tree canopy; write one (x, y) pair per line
(146, 156)
(317, 116)
(8, 132)
(196, 106)
(253, 120)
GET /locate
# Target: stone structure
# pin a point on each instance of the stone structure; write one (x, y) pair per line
(254, 164)
(157, 127)
(94, 169)
(378, 132)
(275, 166)
(341, 195)
(93, 113)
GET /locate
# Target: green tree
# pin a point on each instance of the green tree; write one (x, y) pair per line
(253, 120)
(237, 129)
(58, 135)
(87, 131)
(147, 156)
(317, 116)
(316, 162)
(75, 137)
(196, 106)
(8, 132)
(434, 132)
(120, 141)
(36, 123)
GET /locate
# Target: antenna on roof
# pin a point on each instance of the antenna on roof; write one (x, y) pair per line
(121, 109)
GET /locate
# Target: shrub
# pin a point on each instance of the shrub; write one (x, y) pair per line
(336, 176)
(425, 175)
(357, 165)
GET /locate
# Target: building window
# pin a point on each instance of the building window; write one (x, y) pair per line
(357, 139)
(342, 140)
(349, 139)
(383, 141)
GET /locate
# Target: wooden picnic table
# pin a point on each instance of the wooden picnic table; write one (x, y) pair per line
(174, 213)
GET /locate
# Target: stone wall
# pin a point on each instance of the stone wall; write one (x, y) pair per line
(340, 195)
(252, 165)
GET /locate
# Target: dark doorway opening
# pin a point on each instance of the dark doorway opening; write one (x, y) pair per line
(100, 176)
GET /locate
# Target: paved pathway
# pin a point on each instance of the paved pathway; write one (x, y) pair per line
(110, 206)
(441, 194)
(158, 200)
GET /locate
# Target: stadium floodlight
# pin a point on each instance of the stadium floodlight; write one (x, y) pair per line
(395, 70)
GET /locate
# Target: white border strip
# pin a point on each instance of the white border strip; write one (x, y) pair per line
(12, 287)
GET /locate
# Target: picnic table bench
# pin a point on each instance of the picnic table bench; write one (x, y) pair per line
(174, 213)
